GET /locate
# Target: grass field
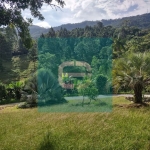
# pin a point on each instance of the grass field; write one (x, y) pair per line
(121, 129)
(100, 105)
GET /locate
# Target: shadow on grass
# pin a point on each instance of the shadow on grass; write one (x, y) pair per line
(80, 104)
(94, 103)
(101, 104)
(51, 102)
(48, 143)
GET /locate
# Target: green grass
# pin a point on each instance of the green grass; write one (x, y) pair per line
(100, 105)
(121, 129)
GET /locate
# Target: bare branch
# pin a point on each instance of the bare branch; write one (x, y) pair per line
(55, 6)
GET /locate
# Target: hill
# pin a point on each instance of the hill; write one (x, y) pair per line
(36, 31)
(140, 21)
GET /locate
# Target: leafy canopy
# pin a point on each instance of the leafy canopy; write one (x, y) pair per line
(133, 70)
(10, 12)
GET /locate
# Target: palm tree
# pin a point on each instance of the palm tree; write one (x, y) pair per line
(45, 86)
(48, 87)
(134, 71)
(16, 88)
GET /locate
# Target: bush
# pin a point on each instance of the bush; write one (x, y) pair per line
(22, 105)
(2, 91)
(101, 81)
(48, 88)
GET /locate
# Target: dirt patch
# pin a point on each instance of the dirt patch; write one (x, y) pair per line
(133, 105)
(7, 105)
(1, 108)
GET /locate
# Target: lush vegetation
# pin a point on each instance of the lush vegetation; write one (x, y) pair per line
(140, 21)
(102, 47)
(119, 58)
(10, 12)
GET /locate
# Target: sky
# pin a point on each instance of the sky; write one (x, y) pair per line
(80, 10)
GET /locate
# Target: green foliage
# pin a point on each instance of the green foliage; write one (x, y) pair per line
(132, 71)
(53, 50)
(32, 55)
(12, 16)
(74, 69)
(12, 38)
(101, 81)
(16, 88)
(49, 90)
(5, 50)
(87, 88)
(92, 92)
(3, 92)
(118, 47)
(10, 93)
(48, 61)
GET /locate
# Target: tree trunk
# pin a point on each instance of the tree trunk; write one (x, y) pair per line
(90, 101)
(83, 101)
(138, 87)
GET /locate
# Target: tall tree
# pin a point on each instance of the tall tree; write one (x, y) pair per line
(33, 55)
(12, 38)
(133, 70)
(5, 50)
(10, 12)
(118, 47)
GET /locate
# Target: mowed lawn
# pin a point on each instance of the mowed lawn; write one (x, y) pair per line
(121, 129)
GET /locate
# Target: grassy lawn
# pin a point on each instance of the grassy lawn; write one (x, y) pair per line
(121, 129)
(100, 105)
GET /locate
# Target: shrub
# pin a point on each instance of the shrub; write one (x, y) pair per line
(48, 88)
(2, 91)
(101, 81)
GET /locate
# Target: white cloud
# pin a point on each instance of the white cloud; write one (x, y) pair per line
(81, 10)
(43, 24)
(108, 9)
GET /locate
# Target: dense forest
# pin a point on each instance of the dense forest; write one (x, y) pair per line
(140, 21)
(76, 86)
(100, 46)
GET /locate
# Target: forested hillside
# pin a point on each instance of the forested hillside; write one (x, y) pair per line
(140, 21)
(125, 38)
(102, 47)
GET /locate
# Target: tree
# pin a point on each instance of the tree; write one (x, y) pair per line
(95, 64)
(48, 87)
(3, 93)
(30, 84)
(92, 92)
(101, 81)
(21, 47)
(87, 88)
(5, 51)
(16, 87)
(33, 54)
(51, 33)
(48, 61)
(118, 47)
(12, 37)
(133, 71)
(10, 12)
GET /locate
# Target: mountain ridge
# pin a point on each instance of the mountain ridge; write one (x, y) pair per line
(141, 21)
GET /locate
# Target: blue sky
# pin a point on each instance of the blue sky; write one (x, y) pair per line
(81, 10)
